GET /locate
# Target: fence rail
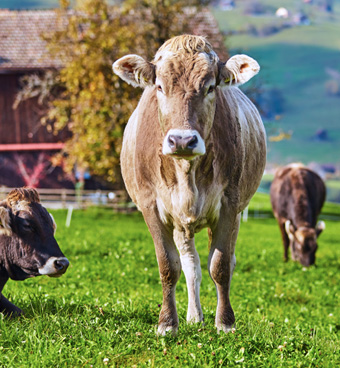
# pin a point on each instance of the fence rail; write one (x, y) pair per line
(64, 198)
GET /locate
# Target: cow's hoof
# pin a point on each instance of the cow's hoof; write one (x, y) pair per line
(226, 328)
(195, 317)
(167, 330)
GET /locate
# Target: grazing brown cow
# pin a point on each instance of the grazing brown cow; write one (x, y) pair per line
(27, 244)
(193, 156)
(297, 196)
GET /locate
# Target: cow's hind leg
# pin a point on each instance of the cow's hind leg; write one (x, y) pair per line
(169, 268)
(221, 264)
(192, 270)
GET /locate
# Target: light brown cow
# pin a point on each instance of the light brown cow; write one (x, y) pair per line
(193, 156)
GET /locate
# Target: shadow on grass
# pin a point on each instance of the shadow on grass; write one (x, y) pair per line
(120, 313)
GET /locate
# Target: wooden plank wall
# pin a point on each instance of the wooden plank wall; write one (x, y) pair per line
(22, 125)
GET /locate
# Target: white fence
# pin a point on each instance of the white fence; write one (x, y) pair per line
(65, 198)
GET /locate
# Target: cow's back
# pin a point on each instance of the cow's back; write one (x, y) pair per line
(297, 194)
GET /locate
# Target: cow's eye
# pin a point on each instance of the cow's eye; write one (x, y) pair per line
(159, 88)
(27, 226)
(211, 89)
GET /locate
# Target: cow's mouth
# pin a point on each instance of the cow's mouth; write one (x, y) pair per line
(54, 267)
(57, 274)
(185, 156)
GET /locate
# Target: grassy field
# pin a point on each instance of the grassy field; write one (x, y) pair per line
(104, 310)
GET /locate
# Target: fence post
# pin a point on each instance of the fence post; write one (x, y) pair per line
(69, 216)
(245, 214)
(63, 198)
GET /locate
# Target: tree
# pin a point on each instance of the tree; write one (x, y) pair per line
(84, 95)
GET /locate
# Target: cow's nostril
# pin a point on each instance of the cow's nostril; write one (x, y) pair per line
(172, 141)
(193, 142)
(61, 264)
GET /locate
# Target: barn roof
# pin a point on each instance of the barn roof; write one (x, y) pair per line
(23, 48)
(21, 45)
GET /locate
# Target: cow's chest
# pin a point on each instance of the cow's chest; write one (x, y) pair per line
(189, 209)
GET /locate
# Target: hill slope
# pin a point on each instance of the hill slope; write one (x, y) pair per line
(294, 60)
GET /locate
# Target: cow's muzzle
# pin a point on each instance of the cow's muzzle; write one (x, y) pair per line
(54, 267)
(184, 143)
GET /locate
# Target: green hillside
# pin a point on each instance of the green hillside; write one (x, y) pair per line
(294, 61)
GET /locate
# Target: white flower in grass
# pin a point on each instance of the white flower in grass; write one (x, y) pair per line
(105, 361)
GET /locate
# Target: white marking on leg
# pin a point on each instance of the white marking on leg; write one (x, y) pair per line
(192, 270)
(232, 267)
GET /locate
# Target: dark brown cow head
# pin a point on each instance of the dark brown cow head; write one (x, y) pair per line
(303, 242)
(186, 73)
(27, 244)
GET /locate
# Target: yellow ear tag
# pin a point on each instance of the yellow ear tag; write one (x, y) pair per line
(229, 80)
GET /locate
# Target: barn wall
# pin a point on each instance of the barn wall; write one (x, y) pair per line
(22, 125)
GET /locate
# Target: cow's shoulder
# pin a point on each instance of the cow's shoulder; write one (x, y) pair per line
(141, 160)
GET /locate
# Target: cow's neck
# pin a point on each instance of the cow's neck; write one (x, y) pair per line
(187, 191)
(185, 197)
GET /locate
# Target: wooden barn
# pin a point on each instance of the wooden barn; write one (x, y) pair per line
(26, 146)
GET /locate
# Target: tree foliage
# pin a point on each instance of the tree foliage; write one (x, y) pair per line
(85, 96)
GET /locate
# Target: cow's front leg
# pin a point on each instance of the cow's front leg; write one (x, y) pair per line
(221, 264)
(192, 270)
(8, 308)
(169, 268)
(285, 240)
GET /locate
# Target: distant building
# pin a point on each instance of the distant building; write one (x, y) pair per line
(26, 147)
(282, 13)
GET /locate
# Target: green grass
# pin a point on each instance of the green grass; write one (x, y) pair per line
(106, 306)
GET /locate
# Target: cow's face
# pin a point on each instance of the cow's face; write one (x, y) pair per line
(303, 242)
(186, 74)
(28, 246)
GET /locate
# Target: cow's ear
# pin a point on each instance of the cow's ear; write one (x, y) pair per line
(320, 226)
(290, 230)
(238, 70)
(5, 222)
(135, 70)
